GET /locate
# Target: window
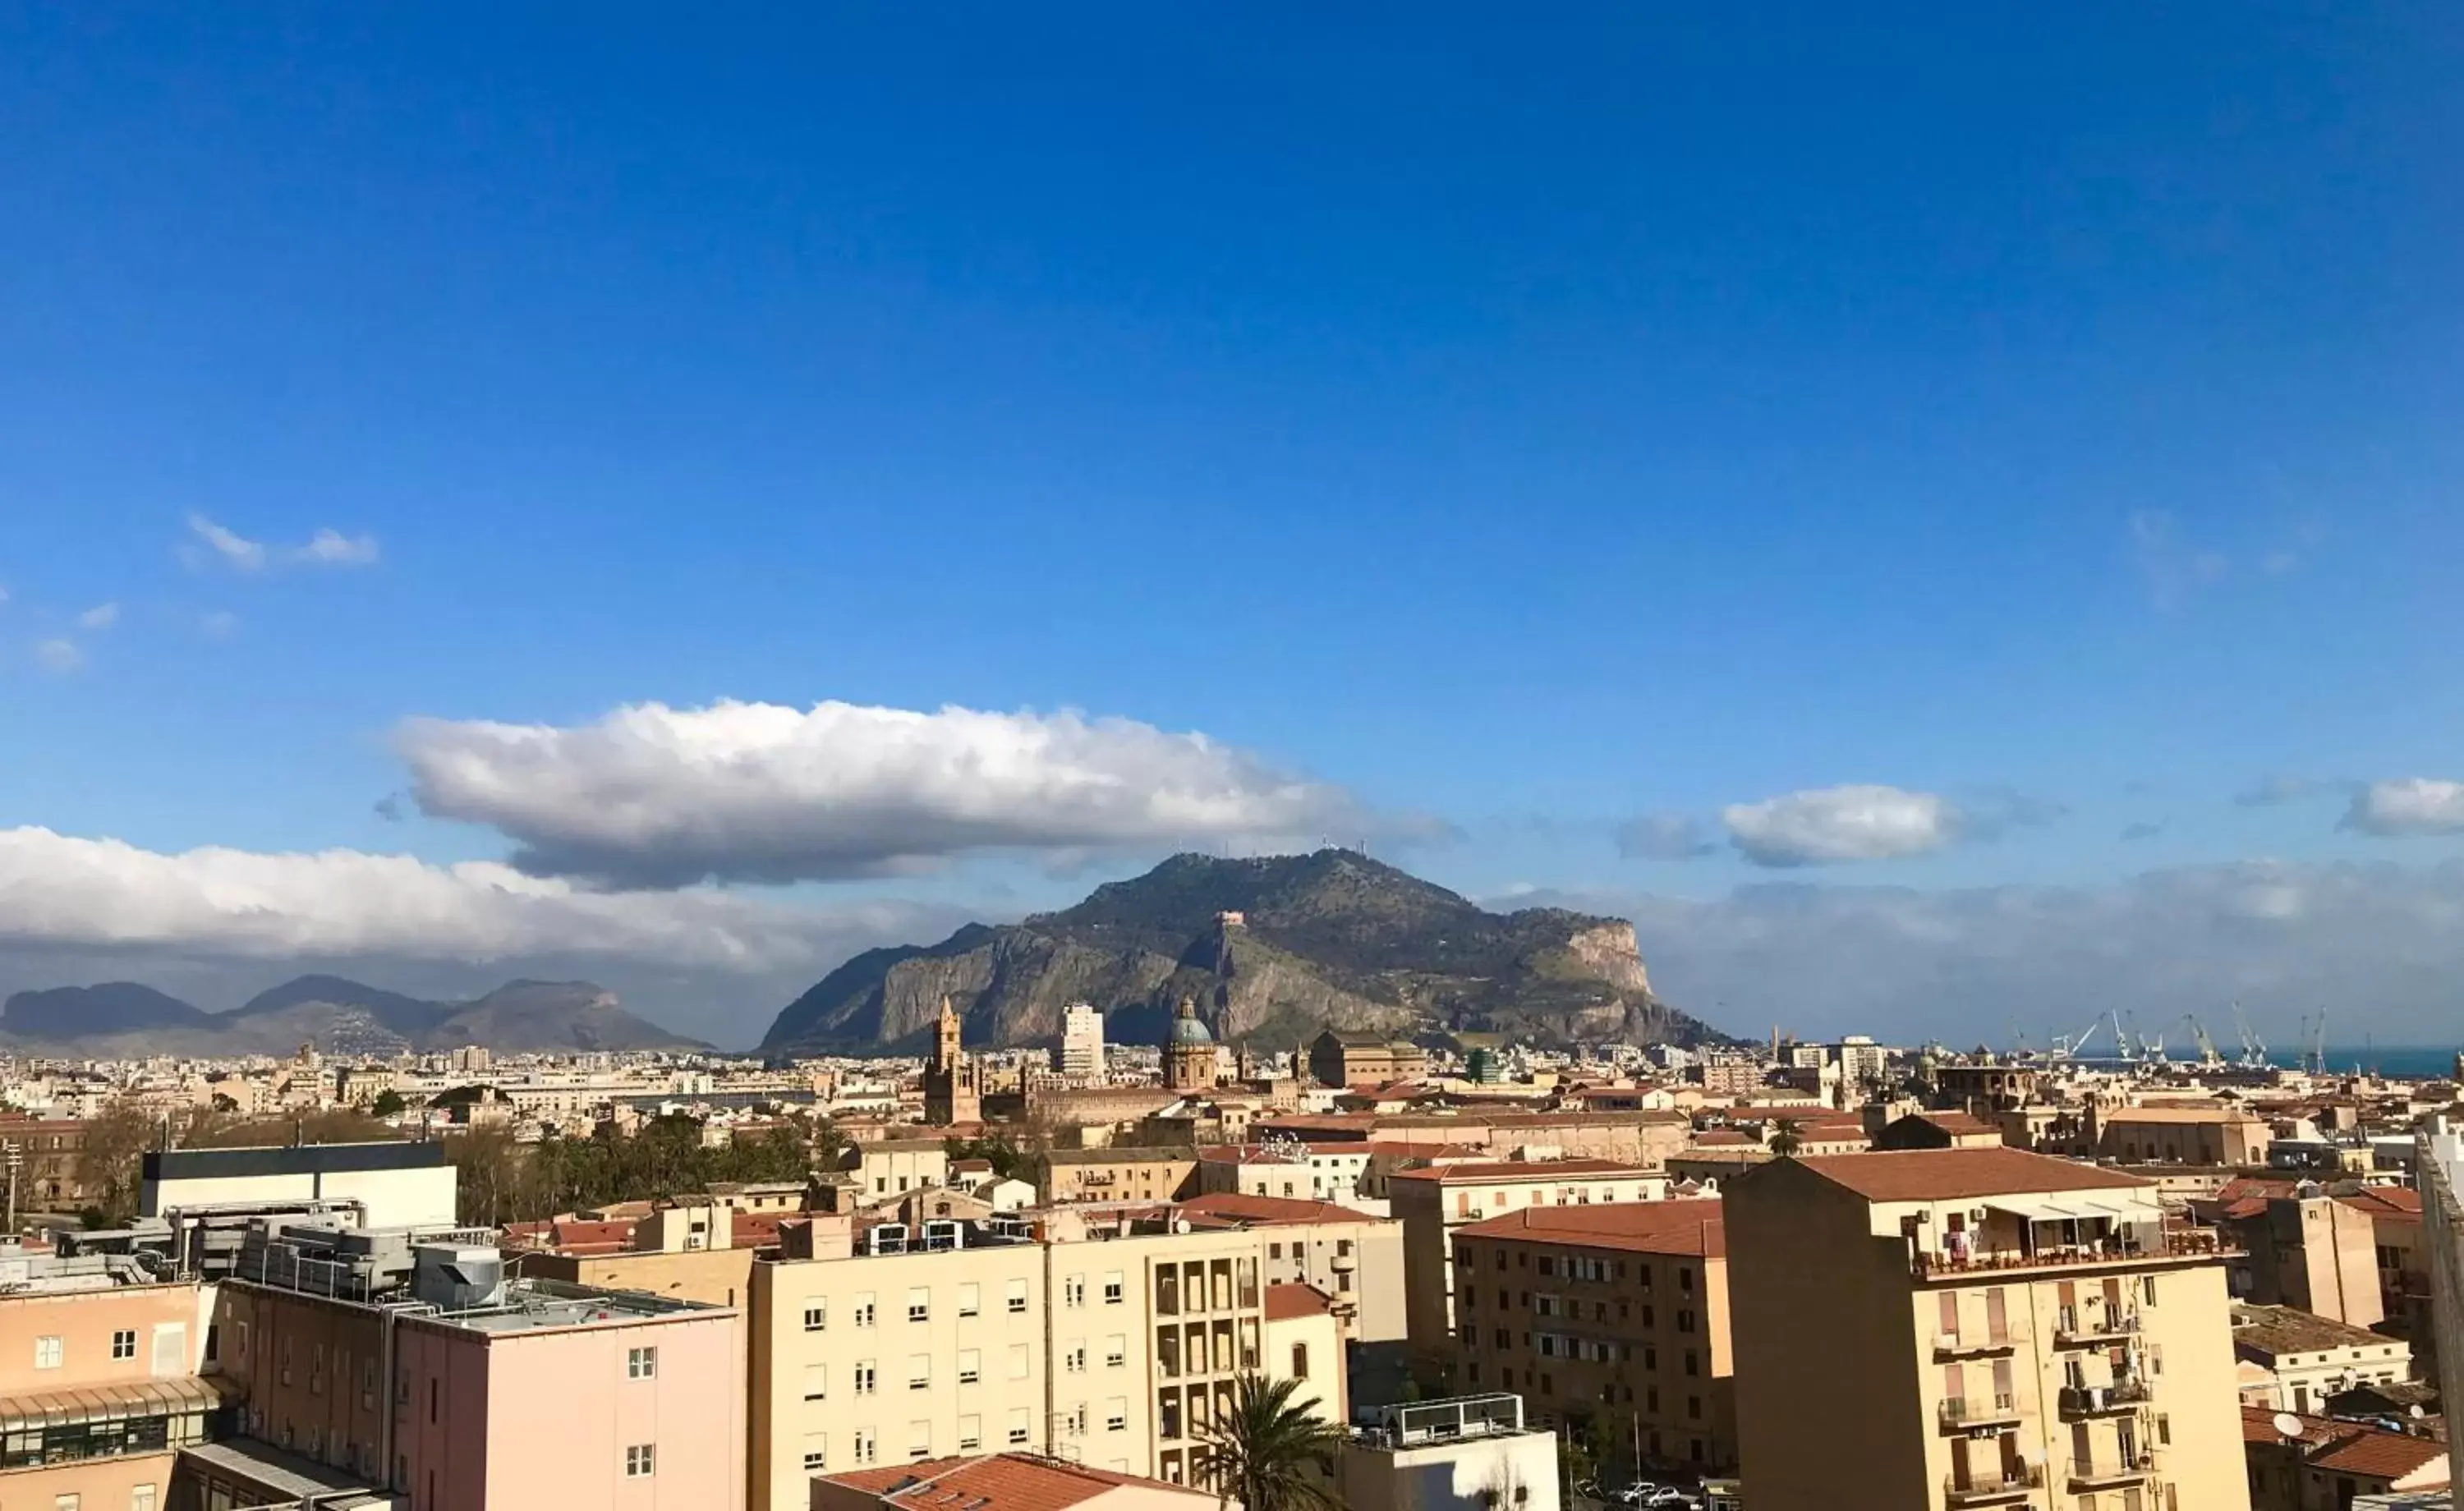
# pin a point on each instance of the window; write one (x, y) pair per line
(919, 1304)
(1073, 1359)
(920, 1371)
(1116, 1414)
(1073, 1290)
(817, 1382)
(864, 1310)
(641, 1460)
(971, 1433)
(141, 1497)
(971, 1365)
(817, 1316)
(47, 1351)
(919, 1440)
(1275, 1251)
(866, 1377)
(1300, 1361)
(1018, 1426)
(970, 1299)
(817, 1450)
(1116, 1350)
(1017, 1297)
(1018, 1361)
(867, 1448)
(1113, 1288)
(68, 1500)
(1168, 1413)
(123, 1344)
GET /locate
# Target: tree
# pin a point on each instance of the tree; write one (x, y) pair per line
(1788, 1140)
(1268, 1453)
(388, 1102)
(109, 1160)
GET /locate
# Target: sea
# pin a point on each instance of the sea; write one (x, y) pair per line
(2406, 1061)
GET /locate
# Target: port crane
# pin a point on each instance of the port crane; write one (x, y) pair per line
(2207, 1054)
(2253, 1049)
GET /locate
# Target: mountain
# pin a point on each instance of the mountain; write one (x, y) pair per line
(1330, 938)
(340, 1017)
(113, 1007)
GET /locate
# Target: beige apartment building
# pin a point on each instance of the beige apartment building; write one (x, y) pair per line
(1355, 1258)
(1129, 1173)
(1612, 1319)
(1953, 1329)
(884, 1345)
(1432, 1202)
(2183, 1136)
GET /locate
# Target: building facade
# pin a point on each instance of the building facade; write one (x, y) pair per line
(1081, 1041)
(951, 1093)
(1984, 1327)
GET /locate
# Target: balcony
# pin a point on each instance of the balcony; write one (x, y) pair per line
(1967, 1346)
(2131, 1251)
(1983, 1490)
(2080, 1402)
(1958, 1416)
(2112, 1473)
(2076, 1327)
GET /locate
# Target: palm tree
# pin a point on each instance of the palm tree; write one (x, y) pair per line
(1266, 1452)
(1787, 1140)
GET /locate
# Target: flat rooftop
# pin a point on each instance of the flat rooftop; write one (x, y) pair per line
(292, 1159)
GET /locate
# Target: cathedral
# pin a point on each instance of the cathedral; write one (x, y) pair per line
(951, 1093)
(1189, 1053)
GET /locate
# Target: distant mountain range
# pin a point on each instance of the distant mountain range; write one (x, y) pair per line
(1332, 938)
(125, 1018)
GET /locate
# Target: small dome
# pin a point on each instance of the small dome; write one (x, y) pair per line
(1190, 1031)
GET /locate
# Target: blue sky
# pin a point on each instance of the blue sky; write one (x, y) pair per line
(1497, 432)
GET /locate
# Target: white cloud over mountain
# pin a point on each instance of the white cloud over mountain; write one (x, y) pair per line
(2407, 805)
(63, 891)
(653, 796)
(2381, 944)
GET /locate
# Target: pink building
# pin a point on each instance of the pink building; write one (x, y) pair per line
(510, 1394)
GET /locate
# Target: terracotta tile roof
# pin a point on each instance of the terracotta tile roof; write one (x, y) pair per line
(1955, 1122)
(1715, 1138)
(998, 1482)
(2383, 1201)
(1283, 1302)
(1247, 1210)
(2347, 1447)
(1955, 1175)
(1633, 1226)
(757, 1230)
(1522, 1170)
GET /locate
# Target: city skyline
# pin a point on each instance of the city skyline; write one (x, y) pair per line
(1941, 522)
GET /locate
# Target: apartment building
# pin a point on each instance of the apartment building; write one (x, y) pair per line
(1975, 1327)
(1353, 1258)
(1612, 1321)
(886, 1169)
(406, 1359)
(1129, 1173)
(1463, 1454)
(1431, 1203)
(1285, 1169)
(2312, 1252)
(1082, 1040)
(1110, 1343)
(98, 1386)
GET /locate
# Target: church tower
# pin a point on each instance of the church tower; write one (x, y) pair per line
(950, 1091)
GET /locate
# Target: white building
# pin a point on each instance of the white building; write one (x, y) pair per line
(1081, 1039)
(1470, 1453)
(395, 1185)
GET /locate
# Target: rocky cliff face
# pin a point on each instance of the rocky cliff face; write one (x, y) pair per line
(1272, 949)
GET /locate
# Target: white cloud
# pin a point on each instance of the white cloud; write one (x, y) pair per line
(238, 550)
(2383, 944)
(63, 891)
(326, 548)
(103, 616)
(1854, 822)
(1663, 837)
(58, 655)
(2408, 805)
(333, 548)
(653, 796)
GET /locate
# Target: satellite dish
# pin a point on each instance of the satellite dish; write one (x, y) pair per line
(2287, 1425)
(2415, 1412)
